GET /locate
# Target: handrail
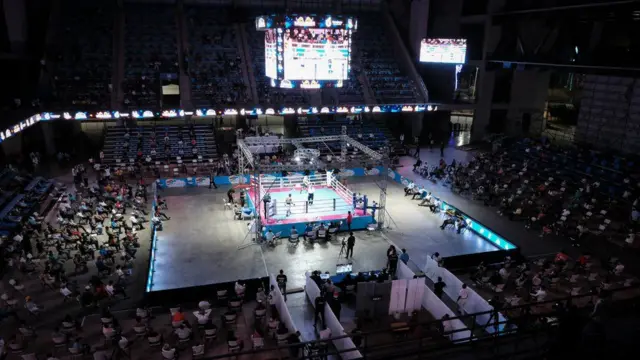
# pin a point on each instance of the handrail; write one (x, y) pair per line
(550, 321)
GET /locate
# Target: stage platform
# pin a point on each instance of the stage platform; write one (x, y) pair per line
(328, 206)
(200, 244)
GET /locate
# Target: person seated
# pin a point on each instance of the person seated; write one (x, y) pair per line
(168, 352)
(183, 332)
(322, 233)
(408, 190)
(460, 224)
(270, 237)
(447, 222)
(239, 288)
(233, 342)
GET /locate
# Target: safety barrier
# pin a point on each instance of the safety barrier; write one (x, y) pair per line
(472, 224)
(154, 239)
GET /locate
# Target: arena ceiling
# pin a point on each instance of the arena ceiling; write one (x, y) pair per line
(317, 5)
(597, 35)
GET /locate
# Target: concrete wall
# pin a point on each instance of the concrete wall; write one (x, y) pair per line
(16, 19)
(610, 113)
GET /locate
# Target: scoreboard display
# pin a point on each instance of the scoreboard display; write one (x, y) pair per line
(446, 51)
(307, 51)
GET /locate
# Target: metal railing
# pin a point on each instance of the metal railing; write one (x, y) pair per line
(527, 333)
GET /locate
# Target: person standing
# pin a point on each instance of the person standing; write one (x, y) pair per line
(281, 279)
(319, 303)
(351, 241)
(393, 263)
(230, 193)
(404, 256)
(266, 200)
(212, 181)
(442, 148)
(463, 296)
(349, 220)
(438, 287)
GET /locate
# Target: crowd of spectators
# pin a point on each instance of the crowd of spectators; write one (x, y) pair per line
(378, 61)
(578, 194)
(550, 278)
(150, 47)
(214, 63)
(84, 62)
(76, 261)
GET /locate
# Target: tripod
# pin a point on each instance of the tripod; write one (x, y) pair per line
(343, 249)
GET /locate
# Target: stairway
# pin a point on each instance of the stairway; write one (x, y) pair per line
(247, 61)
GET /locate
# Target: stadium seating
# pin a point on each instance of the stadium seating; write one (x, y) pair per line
(557, 190)
(214, 62)
(84, 66)
(360, 131)
(376, 55)
(21, 196)
(116, 152)
(150, 50)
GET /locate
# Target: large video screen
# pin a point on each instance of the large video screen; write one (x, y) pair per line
(270, 54)
(316, 54)
(448, 51)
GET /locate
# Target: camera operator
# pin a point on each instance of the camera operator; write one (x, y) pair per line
(351, 241)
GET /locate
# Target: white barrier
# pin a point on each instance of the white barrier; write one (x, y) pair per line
(415, 294)
(438, 309)
(419, 295)
(398, 296)
(474, 304)
(403, 271)
(312, 291)
(281, 305)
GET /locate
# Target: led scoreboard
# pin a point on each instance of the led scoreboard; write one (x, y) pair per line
(448, 51)
(307, 51)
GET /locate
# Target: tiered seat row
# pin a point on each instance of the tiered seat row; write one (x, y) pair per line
(150, 50)
(20, 197)
(376, 53)
(214, 62)
(84, 71)
(577, 194)
(161, 143)
(368, 133)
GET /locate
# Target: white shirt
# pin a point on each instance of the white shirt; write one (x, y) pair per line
(463, 293)
(109, 289)
(269, 236)
(311, 190)
(66, 292)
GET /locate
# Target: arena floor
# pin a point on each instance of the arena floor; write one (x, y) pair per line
(199, 245)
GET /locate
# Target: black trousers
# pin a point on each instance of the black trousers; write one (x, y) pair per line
(349, 251)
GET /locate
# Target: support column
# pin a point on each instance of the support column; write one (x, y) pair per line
(486, 82)
(416, 125)
(343, 148)
(16, 19)
(529, 94)
(47, 134)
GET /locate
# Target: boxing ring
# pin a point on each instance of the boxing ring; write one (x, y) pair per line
(330, 202)
(304, 191)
